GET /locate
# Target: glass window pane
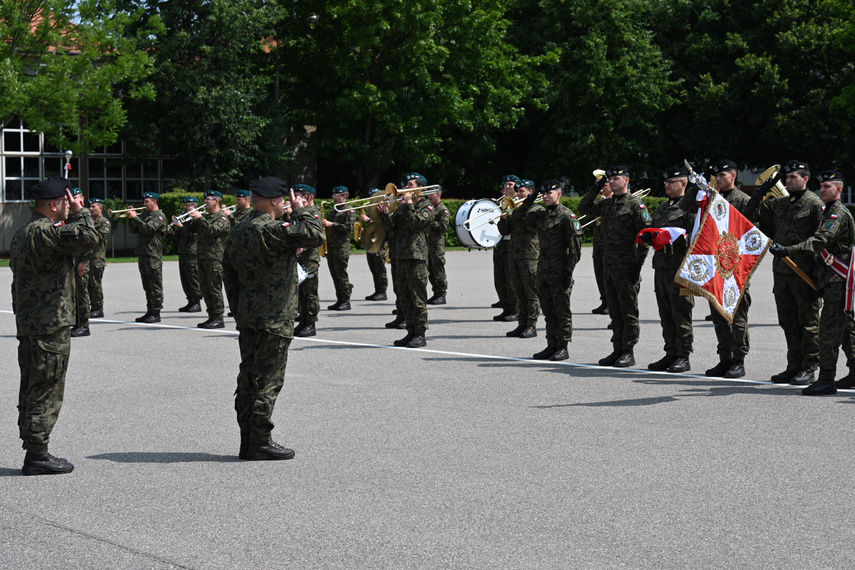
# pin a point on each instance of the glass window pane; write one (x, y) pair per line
(170, 169)
(133, 171)
(13, 167)
(96, 168)
(14, 190)
(115, 148)
(27, 185)
(31, 142)
(31, 167)
(114, 188)
(150, 169)
(151, 186)
(55, 166)
(114, 168)
(134, 190)
(12, 141)
(51, 148)
(96, 188)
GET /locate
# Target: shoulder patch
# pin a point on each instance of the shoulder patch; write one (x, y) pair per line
(572, 215)
(56, 225)
(645, 216)
(286, 224)
(316, 216)
(830, 225)
(576, 224)
(642, 206)
(160, 218)
(107, 222)
(430, 208)
(833, 216)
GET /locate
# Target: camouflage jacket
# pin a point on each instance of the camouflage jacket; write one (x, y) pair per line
(150, 226)
(43, 269)
(98, 256)
(788, 222)
(310, 257)
(238, 216)
(836, 234)
(670, 215)
(212, 230)
(186, 239)
(411, 222)
(260, 269)
(338, 235)
(622, 218)
(520, 226)
(438, 227)
(559, 233)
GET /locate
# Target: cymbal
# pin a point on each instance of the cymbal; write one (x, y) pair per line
(373, 237)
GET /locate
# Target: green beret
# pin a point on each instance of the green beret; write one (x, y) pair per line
(415, 176)
(340, 190)
(214, 193)
(188, 199)
(50, 188)
(305, 189)
(524, 183)
(96, 201)
(509, 178)
(242, 193)
(76, 191)
(373, 191)
(152, 195)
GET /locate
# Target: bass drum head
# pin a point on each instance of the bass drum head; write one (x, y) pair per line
(477, 212)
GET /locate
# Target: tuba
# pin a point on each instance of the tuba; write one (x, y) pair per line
(778, 190)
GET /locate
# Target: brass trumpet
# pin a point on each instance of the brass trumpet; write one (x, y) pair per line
(185, 216)
(778, 190)
(125, 211)
(637, 194)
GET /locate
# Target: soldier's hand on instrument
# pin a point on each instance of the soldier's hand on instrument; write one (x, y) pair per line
(383, 207)
(779, 250)
(599, 183)
(132, 214)
(195, 214)
(766, 186)
(81, 268)
(328, 224)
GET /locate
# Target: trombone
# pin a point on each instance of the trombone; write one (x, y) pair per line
(391, 189)
(506, 206)
(638, 194)
(125, 211)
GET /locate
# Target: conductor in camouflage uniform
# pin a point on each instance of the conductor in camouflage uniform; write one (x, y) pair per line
(436, 249)
(43, 298)
(501, 280)
(212, 229)
(675, 310)
(733, 339)
(98, 260)
(832, 245)
(260, 274)
(525, 249)
(188, 259)
(243, 209)
(376, 261)
(339, 226)
(150, 228)
(558, 231)
(309, 303)
(623, 217)
(411, 221)
(790, 220)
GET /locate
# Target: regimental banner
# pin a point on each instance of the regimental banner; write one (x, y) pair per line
(726, 249)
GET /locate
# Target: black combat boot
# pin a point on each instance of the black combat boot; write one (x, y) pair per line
(417, 341)
(736, 370)
(784, 377)
(307, 330)
(626, 360)
(153, 317)
(719, 369)
(45, 464)
(143, 318)
(603, 309)
(681, 364)
(80, 331)
(405, 340)
(213, 323)
(821, 387)
(437, 300)
(560, 352)
(516, 332)
(662, 364)
(545, 353)
(610, 359)
(529, 332)
(269, 451)
(394, 324)
(803, 378)
(376, 296)
(96, 314)
(847, 382)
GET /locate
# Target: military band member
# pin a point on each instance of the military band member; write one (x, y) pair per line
(598, 257)
(81, 287)
(188, 259)
(501, 280)
(243, 207)
(623, 217)
(558, 232)
(675, 310)
(832, 245)
(99, 259)
(339, 226)
(411, 221)
(524, 252)
(790, 220)
(150, 228)
(436, 249)
(308, 301)
(260, 273)
(376, 261)
(43, 298)
(212, 229)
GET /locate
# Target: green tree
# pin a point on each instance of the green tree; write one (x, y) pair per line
(68, 68)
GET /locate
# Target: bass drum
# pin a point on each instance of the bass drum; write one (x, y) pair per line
(475, 213)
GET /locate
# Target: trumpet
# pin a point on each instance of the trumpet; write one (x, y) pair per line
(185, 216)
(230, 209)
(637, 194)
(778, 190)
(506, 206)
(125, 211)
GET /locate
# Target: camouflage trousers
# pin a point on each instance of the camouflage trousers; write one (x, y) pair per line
(308, 301)
(507, 293)
(263, 357)
(151, 272)
(188, 270)
(599, 269)
(43, 361)
(675, 313)
(211, 279)
(836, 330)
(81, 293)
(337, 263)
(396, 289)
(733, 338)
(96, 288)
(798, 314)
(412, 292)
(622, 286)
(554, 297)
(436, 271)
(523, 273)
(377, 265)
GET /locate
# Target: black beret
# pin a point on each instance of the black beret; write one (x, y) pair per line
(269, 187)
(830, 176)
(795, 166)
(551, 185)
(617, 170)
(675, 172)
(723, 165)
(50, 188)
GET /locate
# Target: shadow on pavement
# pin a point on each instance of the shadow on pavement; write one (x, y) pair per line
(155, 457)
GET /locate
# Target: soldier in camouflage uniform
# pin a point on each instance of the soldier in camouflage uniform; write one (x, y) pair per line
(832, 245)
(150, 228)
(675, 310)
(599, 240)
(399, 322)
(377, 260)
(790, 220)
(243, 209)
(523, 256)
(188, 259)
(212, 229)
(733, 338)
(559, 235)
(81, 287)
(339, 226)
(436, 249)
(310, 259)
(411, 221)
(98, 261)
(260, 274)
(623, 216)
(501, 278)
(43, 298)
